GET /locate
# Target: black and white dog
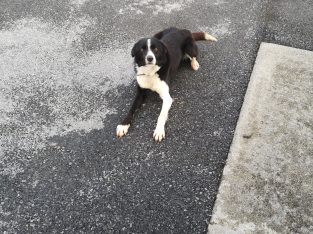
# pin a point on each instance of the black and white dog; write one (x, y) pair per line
(156, 59)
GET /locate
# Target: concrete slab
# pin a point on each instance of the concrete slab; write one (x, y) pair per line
(267, 184)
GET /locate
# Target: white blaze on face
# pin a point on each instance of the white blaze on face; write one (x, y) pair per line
(150, 54)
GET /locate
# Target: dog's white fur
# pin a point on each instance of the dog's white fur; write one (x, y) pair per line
(121, 130)
(150, 53)
(209, 37)
(194, 63)
(148, 78)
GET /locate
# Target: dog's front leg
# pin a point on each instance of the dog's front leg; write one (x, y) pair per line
(159, 132)
(122, 128)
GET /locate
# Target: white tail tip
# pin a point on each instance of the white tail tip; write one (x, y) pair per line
(208, 37)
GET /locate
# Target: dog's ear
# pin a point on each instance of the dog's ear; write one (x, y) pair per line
(164, 48)
(135, 49)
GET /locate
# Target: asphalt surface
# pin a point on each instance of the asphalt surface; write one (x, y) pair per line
(66, 82)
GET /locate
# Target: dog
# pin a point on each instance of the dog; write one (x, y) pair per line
(155, 59)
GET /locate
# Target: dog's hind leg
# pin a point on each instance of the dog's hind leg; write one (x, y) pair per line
(191, 52)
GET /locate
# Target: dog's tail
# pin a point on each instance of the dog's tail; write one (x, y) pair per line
(201, 36)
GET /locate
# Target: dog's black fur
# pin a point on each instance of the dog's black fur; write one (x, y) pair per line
(164, 55)
(171, 44)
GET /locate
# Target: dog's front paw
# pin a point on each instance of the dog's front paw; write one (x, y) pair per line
(121, 130)
(159, 134)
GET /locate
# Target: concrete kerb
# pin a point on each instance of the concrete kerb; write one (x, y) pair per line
(259, 191)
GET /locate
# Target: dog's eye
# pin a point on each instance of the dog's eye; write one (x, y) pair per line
(155, 49)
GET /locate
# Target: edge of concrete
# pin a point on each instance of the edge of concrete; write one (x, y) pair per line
(220, 222)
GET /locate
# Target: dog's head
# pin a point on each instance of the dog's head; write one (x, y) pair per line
(149, 51)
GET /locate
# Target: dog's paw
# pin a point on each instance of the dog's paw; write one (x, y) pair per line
(121, 130)
(194, 64)
(159, 134)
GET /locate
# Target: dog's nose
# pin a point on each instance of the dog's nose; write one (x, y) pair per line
(149, 58)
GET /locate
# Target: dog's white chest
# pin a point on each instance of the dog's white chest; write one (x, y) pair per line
(149, 81)
(147, 78)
